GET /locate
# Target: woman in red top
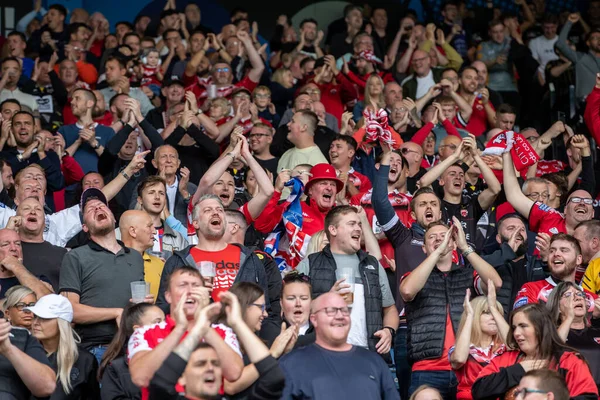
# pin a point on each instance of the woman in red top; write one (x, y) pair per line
(481, 337)
(537, 345)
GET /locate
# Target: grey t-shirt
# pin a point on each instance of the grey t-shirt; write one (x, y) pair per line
(101, 279)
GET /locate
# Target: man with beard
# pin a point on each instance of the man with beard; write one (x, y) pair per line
(564, 257)
(543, 218)
(233, 262)
(100, 114)
(512, 262)
(118, 82)
(173, 91)
(373, 310)
(586, 65)
(150, 345)
(31, 150)
(122, 147)
(332, 359)
(96, 277)
(39, 256)
(310, 39)
(85, 139)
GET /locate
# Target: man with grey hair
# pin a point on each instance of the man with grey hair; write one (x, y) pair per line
(536, 189)
(232, 262)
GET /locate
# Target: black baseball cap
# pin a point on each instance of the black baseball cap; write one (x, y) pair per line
(173, 81)
(92, 194)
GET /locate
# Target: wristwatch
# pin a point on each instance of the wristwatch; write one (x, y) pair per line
(96, 146)
(199, 112)
(20, 157)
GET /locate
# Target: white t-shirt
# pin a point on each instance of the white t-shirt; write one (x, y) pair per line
(542, 50)
(423, 84)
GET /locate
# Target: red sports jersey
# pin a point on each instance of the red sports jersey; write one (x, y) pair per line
(543, 218)
(148, 337)
(538, 291)
(401, 204)
(360, 181)
(149, 76)
(478, 359)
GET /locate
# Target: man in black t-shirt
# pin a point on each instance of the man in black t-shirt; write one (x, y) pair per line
(468, 209)
(34, 377)
(40, 257)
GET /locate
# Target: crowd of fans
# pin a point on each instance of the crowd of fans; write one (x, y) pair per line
(393, 209)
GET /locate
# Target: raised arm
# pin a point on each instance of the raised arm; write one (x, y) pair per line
(561, 43)
(521, 203)
(460, 355)
(371, 242)
(434, 173)
(258, 66)
(488, 196)
(25, 277)
(498, 315)
(217, 169)
(265, 185)
(144, 362)
(112, 188)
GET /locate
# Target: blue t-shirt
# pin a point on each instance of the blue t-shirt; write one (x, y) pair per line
(313, 372)
(86, 156)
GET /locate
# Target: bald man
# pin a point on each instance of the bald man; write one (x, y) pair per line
(413, 153)
(330, 317)
(137, 232)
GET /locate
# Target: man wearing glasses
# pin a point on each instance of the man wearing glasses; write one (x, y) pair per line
(423, 78)
(542, 384)
(543, 218)
(260, 139)
(318, 371)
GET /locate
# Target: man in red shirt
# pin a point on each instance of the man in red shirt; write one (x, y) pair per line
(321, 189)
(221, 73)
(563, 260)
(341, 153)
(150, 345)
(483, 116)
(543, 218)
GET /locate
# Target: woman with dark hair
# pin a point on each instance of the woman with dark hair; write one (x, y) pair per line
(114, 371)
(295, 305)
(252, 302)
(536, 345)
(568, 310)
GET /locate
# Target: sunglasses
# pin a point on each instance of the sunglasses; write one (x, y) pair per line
(295, 276)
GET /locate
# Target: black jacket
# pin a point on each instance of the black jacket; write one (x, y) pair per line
(426, 314)
(251, 270)
(512, 278)
(269, 385)
(322, 277)
(116, 382)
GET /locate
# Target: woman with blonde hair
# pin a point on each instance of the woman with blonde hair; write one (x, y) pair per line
(75, 368)
(373, 96)
(481, 336)
(18, 298)
(317, 242)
